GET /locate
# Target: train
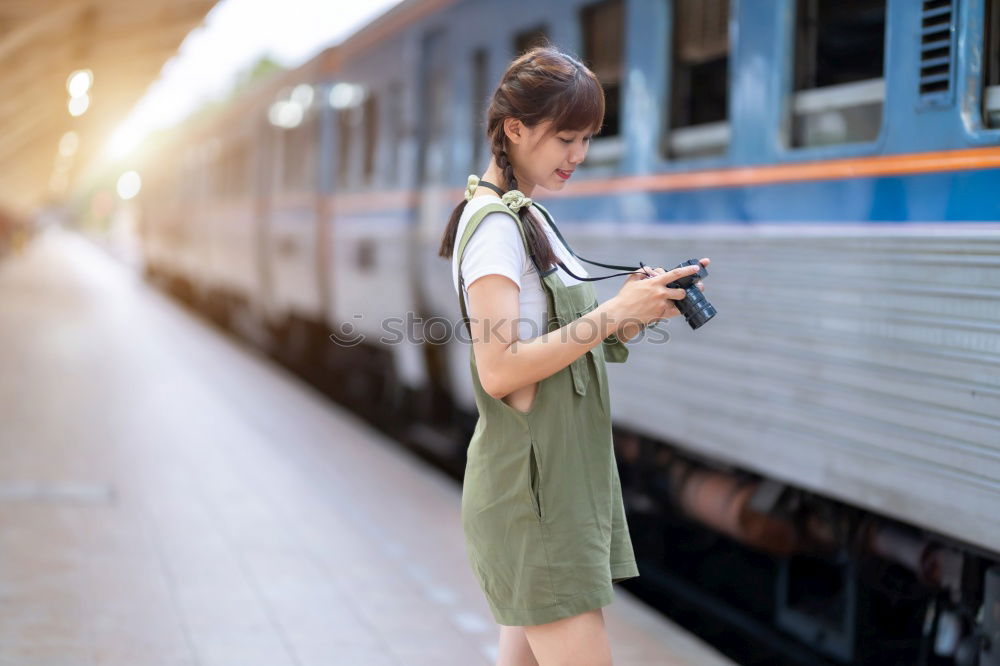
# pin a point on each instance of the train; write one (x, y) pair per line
(838, 160)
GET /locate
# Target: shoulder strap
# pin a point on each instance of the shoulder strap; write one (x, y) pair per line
(470, 228)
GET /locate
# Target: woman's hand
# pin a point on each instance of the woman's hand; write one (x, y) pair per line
(646, 300)
(671, 309)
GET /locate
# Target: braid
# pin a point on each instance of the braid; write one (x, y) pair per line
(508, 169)
(537, 240)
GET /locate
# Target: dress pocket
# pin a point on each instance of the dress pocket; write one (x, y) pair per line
(580, 367)
(535, 489)
(569, 304)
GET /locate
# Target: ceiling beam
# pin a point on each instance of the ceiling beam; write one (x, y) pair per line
(65, 12)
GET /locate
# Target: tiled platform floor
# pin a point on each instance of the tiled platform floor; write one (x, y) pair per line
(168, 497)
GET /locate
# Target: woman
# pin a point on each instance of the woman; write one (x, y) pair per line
(542, 509)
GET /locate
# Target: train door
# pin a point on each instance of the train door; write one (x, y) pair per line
(433, 206)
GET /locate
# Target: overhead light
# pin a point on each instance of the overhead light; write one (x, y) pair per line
(68, 144)
(78, 83)
(303, 95)
(78, 105)
(344, 95)
(129, 184)
(285, 114)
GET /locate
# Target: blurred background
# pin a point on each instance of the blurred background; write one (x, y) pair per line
(235, 391)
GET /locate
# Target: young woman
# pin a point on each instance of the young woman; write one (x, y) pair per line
(542, 508)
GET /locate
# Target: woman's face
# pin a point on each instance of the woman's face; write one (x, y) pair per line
(545, 160)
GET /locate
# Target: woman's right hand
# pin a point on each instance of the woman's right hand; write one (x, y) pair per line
(647, 299)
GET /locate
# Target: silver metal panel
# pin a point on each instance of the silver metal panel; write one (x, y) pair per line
(862, 364)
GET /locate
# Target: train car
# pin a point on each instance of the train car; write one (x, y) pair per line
(837, 160)
(218, 225)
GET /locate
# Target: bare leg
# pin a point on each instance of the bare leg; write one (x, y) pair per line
(514, 648)
(581, 640)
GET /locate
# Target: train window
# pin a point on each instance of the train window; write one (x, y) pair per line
(298, 155)
(603, 48)
(699, 114)
(603, 29)
(839, 85)
(394, 129)
(221, 175)
(529, 39)
(371, 135)
(217, 172)
(344, 134)
(239, 170)
(225, 169)
(991, 70)
(479, 102)
(289, 166)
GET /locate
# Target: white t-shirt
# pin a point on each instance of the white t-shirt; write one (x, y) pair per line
(496, 248)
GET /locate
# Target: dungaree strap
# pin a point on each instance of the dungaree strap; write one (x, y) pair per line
(470, 228)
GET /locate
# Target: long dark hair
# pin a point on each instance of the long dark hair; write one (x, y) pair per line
(541, 84)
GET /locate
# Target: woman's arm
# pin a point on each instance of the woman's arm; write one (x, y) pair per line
(628, 330)
(505, 363)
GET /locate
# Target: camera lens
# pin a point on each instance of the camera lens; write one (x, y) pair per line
(694, 306)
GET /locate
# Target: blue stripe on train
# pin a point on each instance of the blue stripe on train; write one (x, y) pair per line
(933, 197)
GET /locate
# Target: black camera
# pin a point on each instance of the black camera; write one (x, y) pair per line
(694, 306)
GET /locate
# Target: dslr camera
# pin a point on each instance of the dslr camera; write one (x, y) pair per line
(694, 306)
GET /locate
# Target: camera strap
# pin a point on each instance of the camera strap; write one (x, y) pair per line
(628, 269)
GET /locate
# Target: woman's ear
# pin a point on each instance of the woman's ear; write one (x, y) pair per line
(513, 128)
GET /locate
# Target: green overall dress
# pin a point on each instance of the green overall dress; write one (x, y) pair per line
(542, 508)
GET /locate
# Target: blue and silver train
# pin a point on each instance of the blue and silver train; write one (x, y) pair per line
(839, 161)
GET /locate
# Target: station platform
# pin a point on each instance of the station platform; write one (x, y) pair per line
(170, 497)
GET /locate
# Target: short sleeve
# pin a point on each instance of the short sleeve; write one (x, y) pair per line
(494, 248)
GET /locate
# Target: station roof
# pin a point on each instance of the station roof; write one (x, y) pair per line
(124, 43)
